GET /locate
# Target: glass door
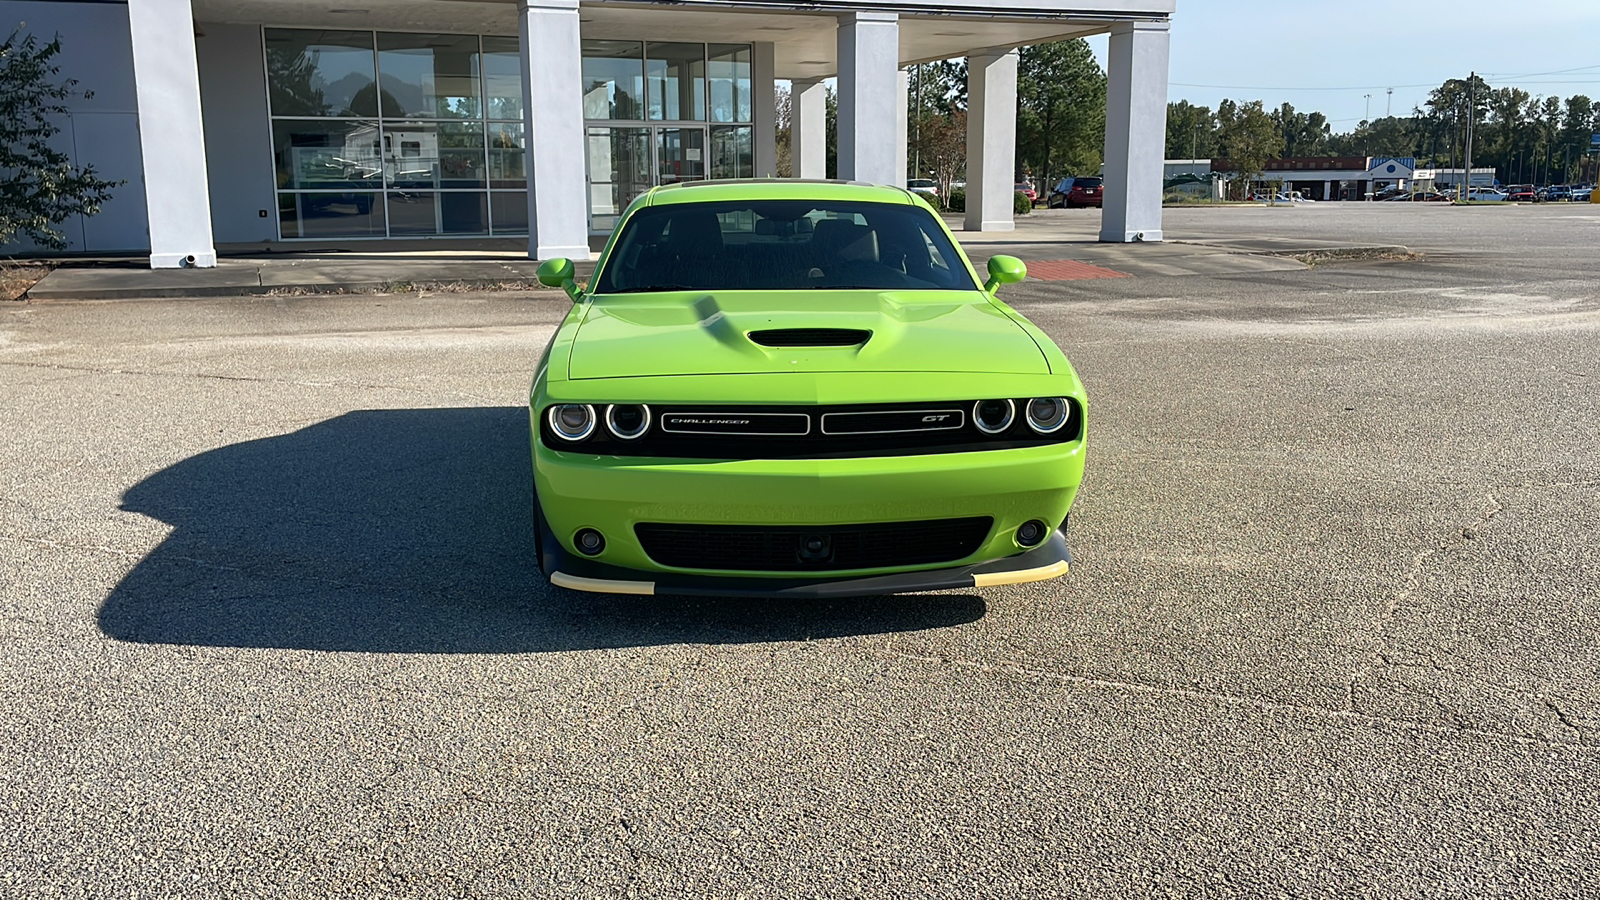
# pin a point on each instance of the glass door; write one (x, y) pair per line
(619, 170)
(680, 154)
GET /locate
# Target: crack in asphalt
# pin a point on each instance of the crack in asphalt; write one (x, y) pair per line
(1262, 703)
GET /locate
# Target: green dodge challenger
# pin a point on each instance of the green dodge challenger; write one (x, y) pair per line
(798, 388)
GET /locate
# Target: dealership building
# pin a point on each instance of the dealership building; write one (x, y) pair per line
(270, 123)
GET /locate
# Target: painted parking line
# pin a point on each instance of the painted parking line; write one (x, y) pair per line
(1068, 270)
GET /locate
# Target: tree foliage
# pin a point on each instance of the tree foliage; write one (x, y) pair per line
(39, 186)
(1061, 111)
(1247, 137)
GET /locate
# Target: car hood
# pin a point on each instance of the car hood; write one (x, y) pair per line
(709, 334)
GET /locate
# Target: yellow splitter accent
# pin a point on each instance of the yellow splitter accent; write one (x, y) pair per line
(1043, 573)
(602, 585)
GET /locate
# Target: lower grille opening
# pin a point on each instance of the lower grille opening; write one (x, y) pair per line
(821, 548)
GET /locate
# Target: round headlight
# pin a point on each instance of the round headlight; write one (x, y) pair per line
(993, 416)
(1046, 415)
(627, 422)
(572, 421)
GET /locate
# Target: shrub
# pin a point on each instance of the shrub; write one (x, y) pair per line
(1020, 204)
(958, 200)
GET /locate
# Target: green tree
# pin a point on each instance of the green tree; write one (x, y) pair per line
(42, 187)
(1248, 138)
(1061, 116)
(1191, 131)
(1304, 134)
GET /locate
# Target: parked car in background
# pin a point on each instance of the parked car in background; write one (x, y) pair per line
(1558, 193)
(1582, 193)
(1027, 190)
(1521, 193)
(1487, 195)
(1075, 193)
(927, 187)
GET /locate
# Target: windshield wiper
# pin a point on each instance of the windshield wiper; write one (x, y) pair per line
(653, 288)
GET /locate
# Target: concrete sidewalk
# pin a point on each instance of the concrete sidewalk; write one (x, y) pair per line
(1058, 236)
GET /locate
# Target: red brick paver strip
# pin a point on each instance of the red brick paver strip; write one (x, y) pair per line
(1068, 270)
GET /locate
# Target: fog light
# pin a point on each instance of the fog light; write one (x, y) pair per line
(1031, 533)
(816, 548)
(589, 542)
(1046, 415)
(993, 416)
(627, 422)
(572, 421)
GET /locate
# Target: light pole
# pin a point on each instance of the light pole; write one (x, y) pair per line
(1388, 111)
(1368, 116)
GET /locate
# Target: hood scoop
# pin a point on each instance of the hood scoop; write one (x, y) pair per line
(811, 337)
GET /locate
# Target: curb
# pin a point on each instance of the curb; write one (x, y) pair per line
(261, 290)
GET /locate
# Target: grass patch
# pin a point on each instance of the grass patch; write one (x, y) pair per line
(17, 278)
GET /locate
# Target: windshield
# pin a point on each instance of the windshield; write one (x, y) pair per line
(782, 245)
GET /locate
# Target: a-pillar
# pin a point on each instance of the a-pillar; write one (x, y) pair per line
(552, 65)
(764, 109)
(166, 81)
(1136, 128)
(869, 61)
(808, 128)
(991, 141)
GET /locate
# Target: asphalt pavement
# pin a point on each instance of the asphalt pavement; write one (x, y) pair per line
(271, 625)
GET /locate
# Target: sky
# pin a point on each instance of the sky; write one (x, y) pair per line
(1325, 56)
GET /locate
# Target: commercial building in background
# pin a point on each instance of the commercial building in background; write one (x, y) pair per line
(261, 122)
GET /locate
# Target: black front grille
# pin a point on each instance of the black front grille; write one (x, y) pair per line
(810, 337)
(794, 548)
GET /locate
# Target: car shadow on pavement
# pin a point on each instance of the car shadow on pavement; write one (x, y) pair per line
(410, 531)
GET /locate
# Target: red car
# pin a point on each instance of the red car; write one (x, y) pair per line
(1073, 193)
(1521, 193)
(1026, 189)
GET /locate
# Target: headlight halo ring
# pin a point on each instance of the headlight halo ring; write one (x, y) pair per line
(977, 415)
(1064, 411)
(553, 416)
(611, 422)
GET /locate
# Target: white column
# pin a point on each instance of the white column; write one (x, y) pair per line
(1136, 129)
(902, 119)
(808, 128)
(869, 57)
(552, 86)
(1327, 190)
(764, 109)
(167, 84)
(991, 141)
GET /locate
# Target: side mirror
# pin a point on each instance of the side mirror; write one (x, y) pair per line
(559, 273)
(1005, 270)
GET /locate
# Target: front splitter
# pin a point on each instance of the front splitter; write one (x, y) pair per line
(1050, 560)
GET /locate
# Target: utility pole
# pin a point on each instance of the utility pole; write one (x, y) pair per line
(1472, 84)
(916, 166)
(1388, 111)
(1368, 116)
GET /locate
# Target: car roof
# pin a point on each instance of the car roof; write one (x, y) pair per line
(775, 189)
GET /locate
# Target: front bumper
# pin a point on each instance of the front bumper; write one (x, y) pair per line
(1049, 560)
(613, 494)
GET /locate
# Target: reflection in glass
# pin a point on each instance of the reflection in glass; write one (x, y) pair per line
(429, 76)
(508, 212)
(433, 154)
(619, 170)
(731, 152)
(322, 215)
(506, 154)
(613, 80)
(730, 82)
(319, 73)
(502, 78)
(323, 153)
(681, 154)
(676, 75)
(414, 213)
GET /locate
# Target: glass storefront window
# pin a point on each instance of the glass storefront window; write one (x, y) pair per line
(729, 71)
(619, 170)
(613, 80)
(508, 212)
(506, 155)
(326, 153)
(320, 73)
(676, 76)
(502, 78)
(434, 154)
(731, 155)
(420, 213)
(325, 215)
(428, 76)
